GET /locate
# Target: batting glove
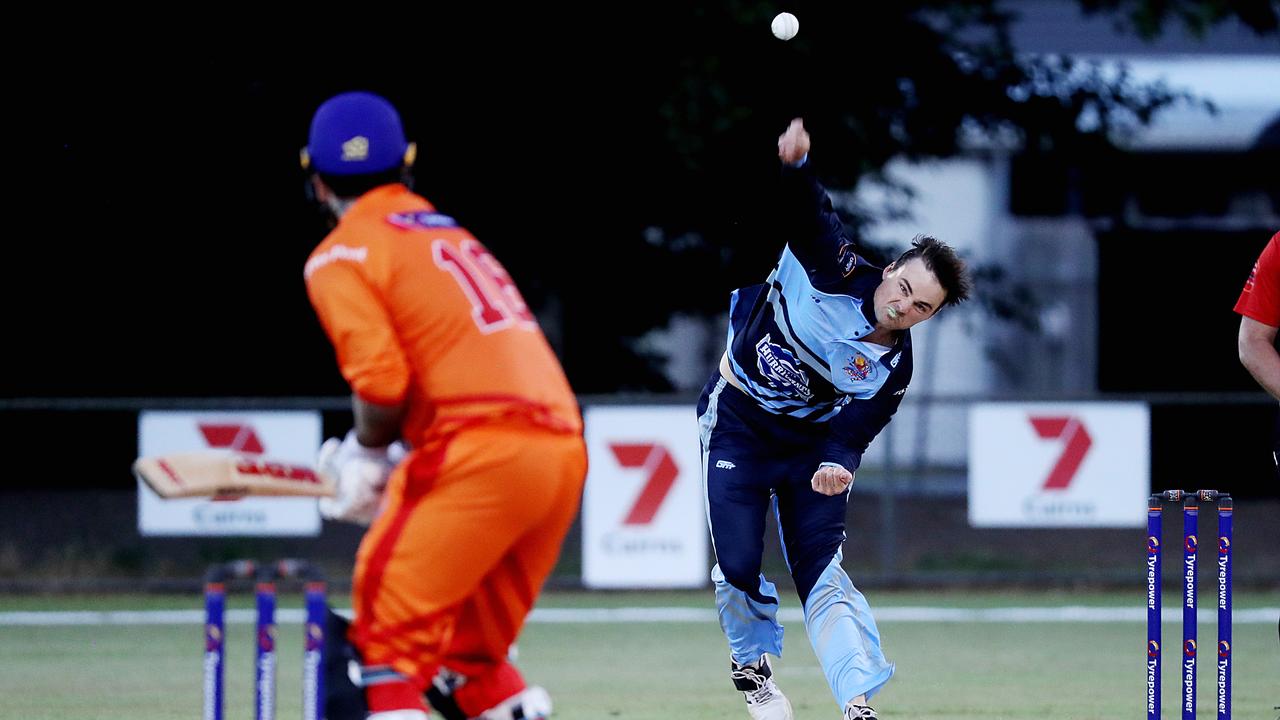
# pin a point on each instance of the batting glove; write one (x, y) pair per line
(360, 475)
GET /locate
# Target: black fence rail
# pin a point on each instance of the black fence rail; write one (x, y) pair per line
(68, 515)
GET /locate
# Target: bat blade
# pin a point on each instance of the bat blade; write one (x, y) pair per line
(224, 475)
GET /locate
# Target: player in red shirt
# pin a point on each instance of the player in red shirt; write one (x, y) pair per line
(1259, 307)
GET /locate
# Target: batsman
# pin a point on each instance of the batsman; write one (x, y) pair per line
(466, 459)
(817, 362)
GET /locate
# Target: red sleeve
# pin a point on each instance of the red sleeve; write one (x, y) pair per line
(1260, 298)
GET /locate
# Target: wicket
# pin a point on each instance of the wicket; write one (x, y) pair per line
(1190, 518)
(265, 577)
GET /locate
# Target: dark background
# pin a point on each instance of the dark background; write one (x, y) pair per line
(169, 228)
(159, 228)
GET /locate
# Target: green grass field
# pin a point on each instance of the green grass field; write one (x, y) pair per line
(661, 670)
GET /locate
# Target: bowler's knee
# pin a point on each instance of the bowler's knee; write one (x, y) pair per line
(741, 574)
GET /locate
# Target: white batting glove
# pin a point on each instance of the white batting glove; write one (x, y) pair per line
(360, 475)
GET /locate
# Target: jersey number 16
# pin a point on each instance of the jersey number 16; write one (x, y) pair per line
(496, 303)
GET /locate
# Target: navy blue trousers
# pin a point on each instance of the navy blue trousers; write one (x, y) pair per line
(756, 462)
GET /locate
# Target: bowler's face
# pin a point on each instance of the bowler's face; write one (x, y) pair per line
(907, 295)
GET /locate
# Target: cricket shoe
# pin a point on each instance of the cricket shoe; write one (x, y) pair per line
(853, 711)
(440, 694)
(532, 703)
(764, 700)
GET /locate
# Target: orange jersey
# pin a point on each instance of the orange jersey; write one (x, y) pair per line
(420, 312)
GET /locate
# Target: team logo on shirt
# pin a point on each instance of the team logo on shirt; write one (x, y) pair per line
(335, 253)
(781, 368)
(846, 258)
(421, 220)
(859, 367)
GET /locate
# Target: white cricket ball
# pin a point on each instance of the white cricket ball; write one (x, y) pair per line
(785, 26)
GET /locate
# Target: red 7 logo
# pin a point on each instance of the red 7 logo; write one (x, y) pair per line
(234, 436)
(662, 471)
(1077, 440)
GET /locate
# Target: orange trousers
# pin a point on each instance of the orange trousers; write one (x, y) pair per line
(446, 575)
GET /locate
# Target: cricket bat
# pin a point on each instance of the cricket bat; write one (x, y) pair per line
(226, 475)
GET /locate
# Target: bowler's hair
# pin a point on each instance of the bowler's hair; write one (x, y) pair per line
(941, 259)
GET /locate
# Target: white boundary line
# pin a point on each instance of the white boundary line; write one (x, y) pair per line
(628, 615)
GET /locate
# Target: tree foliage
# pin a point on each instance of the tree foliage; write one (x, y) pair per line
(1149, 18)
(874, 82)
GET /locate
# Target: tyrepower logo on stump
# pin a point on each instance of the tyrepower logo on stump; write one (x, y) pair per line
(287, 436)
(1058, 465)
(642, 519)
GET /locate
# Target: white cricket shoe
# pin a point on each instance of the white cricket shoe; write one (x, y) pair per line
(532, 703)
(764, 700)
(853, 711)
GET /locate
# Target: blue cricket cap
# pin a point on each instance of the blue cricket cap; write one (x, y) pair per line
(356, 133)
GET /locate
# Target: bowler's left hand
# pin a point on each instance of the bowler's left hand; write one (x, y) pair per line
(831, 480)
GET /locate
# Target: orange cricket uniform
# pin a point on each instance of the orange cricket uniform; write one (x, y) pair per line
(420, 313)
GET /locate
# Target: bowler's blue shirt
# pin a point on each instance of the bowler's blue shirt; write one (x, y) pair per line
(796, 342)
